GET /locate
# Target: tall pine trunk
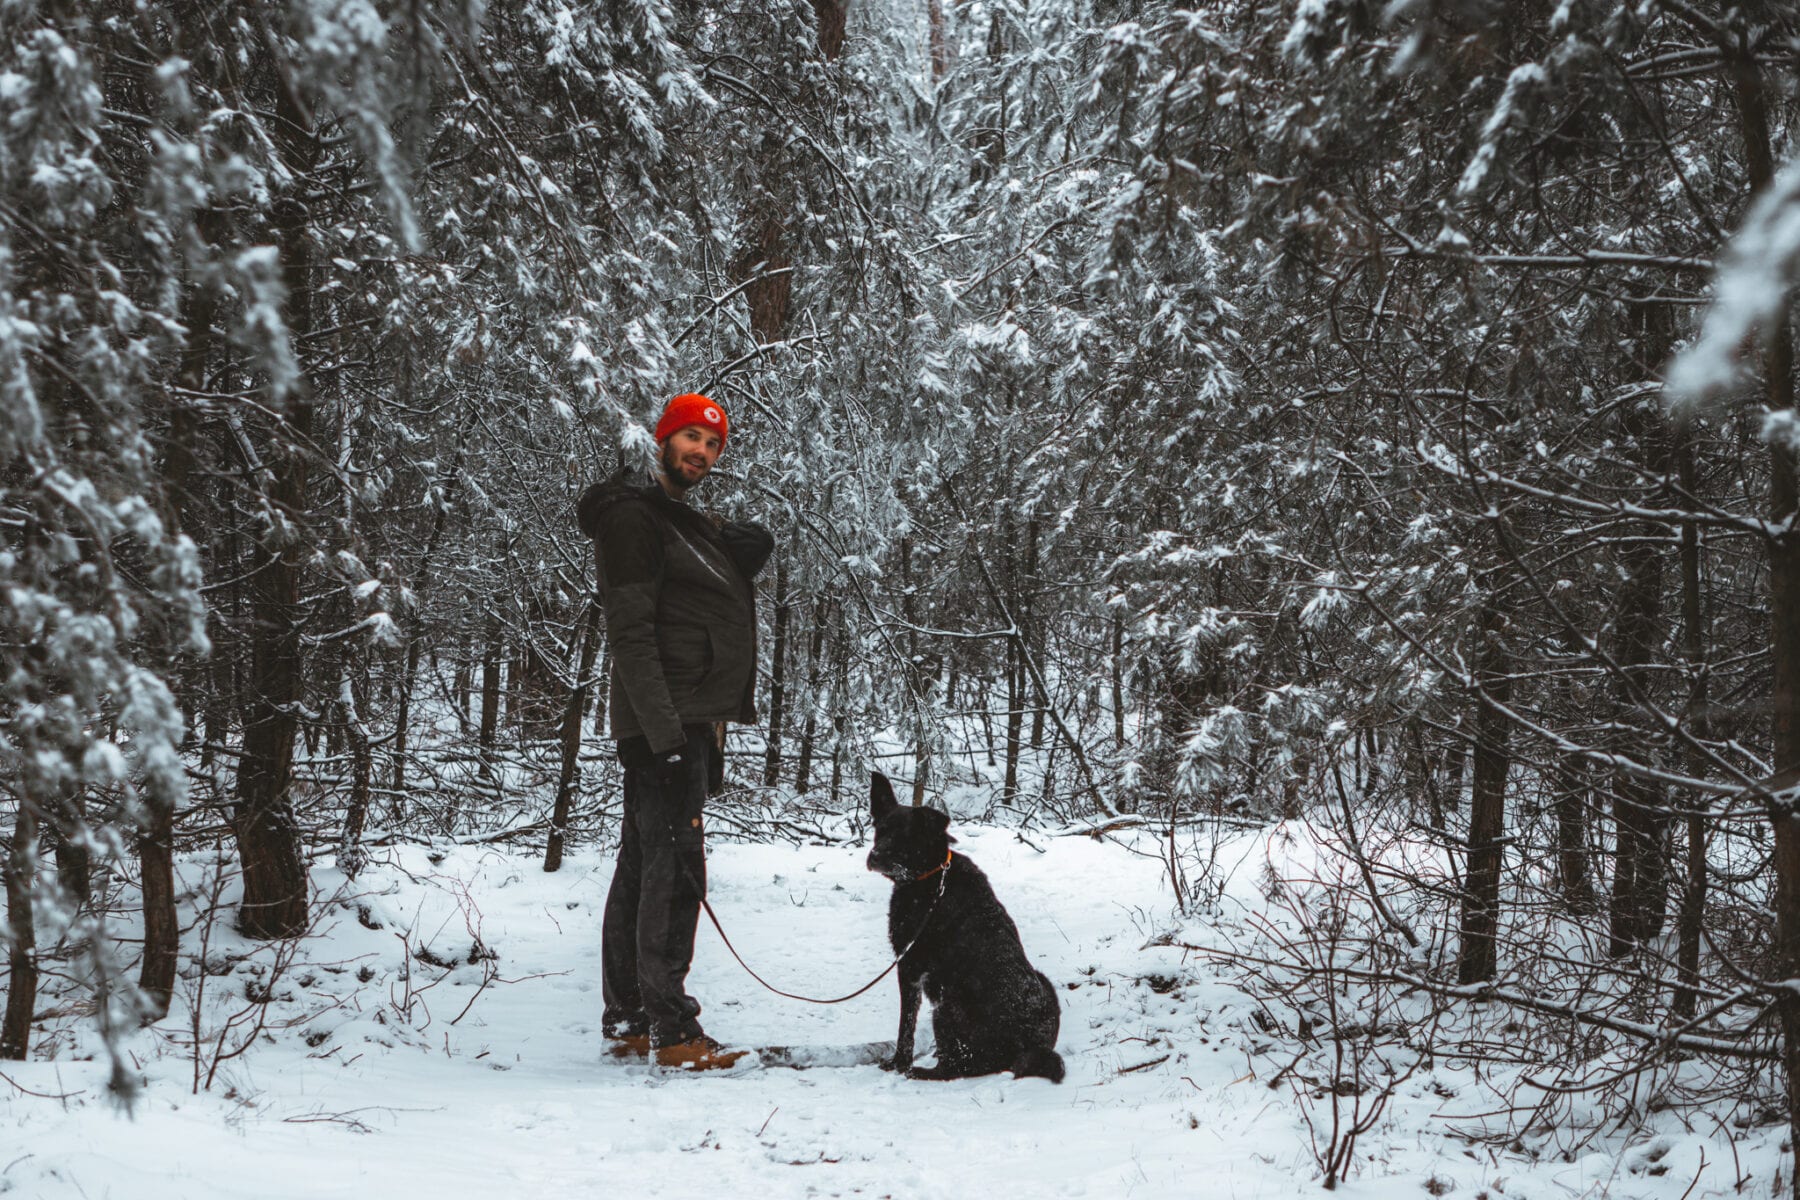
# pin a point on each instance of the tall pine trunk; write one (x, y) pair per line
(1480, 922)
(351, 857)
(1015, 666)
(415, 642)
(1033, 633)
(1752, 102)
(21, 959)
(490, 695)
(1640, 896)
(1118, 680)
(1694, 650)
(1640, 875)
(570, 774)
(815, 660)
(777, 677)
(1574, 795)
(268, 835)
(156, 845)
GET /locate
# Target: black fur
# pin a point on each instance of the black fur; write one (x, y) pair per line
(990, 1009)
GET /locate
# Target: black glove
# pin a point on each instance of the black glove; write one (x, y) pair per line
(671, 766)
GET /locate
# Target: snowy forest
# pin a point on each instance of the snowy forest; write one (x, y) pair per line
(1366, 427)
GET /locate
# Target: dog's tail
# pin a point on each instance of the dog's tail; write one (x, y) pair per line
(1041, 1061)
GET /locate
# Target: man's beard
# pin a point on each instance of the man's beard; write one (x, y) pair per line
(678, 473)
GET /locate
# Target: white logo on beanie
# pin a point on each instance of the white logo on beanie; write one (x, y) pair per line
(712, 416)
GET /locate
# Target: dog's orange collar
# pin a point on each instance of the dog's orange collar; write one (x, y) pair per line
(948, 855)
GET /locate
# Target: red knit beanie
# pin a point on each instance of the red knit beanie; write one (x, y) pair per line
(691, 408)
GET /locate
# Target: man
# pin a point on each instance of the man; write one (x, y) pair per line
(681, 623)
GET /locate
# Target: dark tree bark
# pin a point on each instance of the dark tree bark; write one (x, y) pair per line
(67, 830)
(1015, 675)
(917, 677)
(1574, 795)
(1640, 896)
(1033, 631)
(571, 738)
(1640, 874)
(1478, 958)
(415, 642)
(1456, 760)
(840, 717)
(1694, 639)
(490, 694)
(940, 40)
(766, 269)
(21, 960)
(351, 705)
(777, 677)
(156, 845)
(268, 836)
(815, 661)
(1752, 100)
(1118, 680)
(831, 14)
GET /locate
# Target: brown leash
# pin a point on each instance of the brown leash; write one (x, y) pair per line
(941, 871)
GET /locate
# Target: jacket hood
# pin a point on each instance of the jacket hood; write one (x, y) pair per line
(626, 485)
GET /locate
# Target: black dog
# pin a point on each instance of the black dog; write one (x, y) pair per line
(990, 1009)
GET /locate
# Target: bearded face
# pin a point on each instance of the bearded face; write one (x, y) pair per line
(688, 455)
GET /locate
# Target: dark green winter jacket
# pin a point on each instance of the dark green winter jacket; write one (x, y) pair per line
(680, 609)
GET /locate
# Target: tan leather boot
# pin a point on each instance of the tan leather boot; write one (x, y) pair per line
(629, 1045)
(699, 1053)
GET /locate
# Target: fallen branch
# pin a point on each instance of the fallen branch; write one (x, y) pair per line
(1662, 1039)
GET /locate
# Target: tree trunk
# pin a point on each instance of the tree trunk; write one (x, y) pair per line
(68, 836)
(414, 641)
(766, 269)
(815, 659)
(490, 695)
(1694, 636)
(1015, 667)
(1784, 614)
(940, 52)
(351, 857)
(916, 676)
(1478, 958)
(1015, 709)
(21, 961)
(841, 718)
(571, 738)
(1574, 794)
(602, 682)
(777, 677)
(1118, 680)
(1640, 876)
(156, 845)
(831, 14)
(1033, 631)
(1456, 758)
(1640, 896)
(1784, 607)
(268, 836)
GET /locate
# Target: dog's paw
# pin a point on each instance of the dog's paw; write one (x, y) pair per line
(940, 1071)
(897, 1064)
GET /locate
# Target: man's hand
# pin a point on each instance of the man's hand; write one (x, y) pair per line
(671, 766)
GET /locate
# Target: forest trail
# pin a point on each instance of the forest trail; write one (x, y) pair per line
(1167, 1094)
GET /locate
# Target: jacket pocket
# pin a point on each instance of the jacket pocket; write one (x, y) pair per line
(729, 666)
(687, 660)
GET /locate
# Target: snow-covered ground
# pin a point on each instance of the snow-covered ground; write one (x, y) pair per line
(381, 1074)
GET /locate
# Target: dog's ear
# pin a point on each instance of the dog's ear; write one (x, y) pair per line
(881, 796)
(941, 822)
